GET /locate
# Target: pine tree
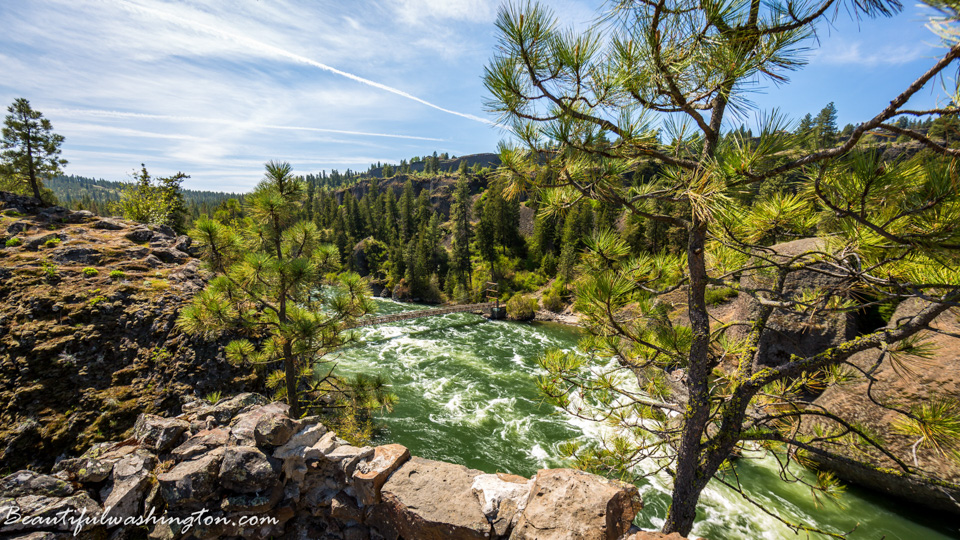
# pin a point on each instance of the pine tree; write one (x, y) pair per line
(267, 279)
(31, 150)
(460, 247)
(825, 127)
(890, 228)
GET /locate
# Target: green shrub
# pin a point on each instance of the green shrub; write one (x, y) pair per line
(715, 297)
(53, 242)
(90, 272)
(12, 213)
(521, 307)
(14, 242)
(552, 301)
(117, 275)
(50, 269)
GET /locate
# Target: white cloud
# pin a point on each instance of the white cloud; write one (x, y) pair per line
(841, 52)
(418, 11)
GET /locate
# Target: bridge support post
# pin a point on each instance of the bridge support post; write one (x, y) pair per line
(498, 313)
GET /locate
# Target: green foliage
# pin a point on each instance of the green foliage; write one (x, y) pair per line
(52, 242)
(50, 270)
(716, 297)
(552, 301)
(90, 272)
(14, 242)
(117, 275)
(31, 151)
(934, 424)
(277, 279)
(214, 397)
(521, 307)
(156, 201)
(653, 83)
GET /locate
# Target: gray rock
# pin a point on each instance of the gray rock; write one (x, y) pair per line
(267, 425)
(201, 443)
(131, 481)
(36, 243)
(77, 255)
(108, 225)
(24, 483)
(139, 235)
(18, 227)
(157, 433)
(170, 255)
(191, 481)
(246, 469)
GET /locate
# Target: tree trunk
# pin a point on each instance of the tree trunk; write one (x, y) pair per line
(291, 377)
(689, 480)
(32, 171)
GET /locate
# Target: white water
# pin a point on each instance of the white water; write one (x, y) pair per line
(467, 394)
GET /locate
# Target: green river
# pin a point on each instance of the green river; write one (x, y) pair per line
(467, 395)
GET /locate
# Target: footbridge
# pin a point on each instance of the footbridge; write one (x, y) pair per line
(494, 307)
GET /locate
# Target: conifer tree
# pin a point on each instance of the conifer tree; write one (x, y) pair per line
(31, 150)
(890, 228)
(269, 276)
(825, 127)
(460, 217)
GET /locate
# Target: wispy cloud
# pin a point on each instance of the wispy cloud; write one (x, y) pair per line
(238, 123)
(268, 49)
(839, 52)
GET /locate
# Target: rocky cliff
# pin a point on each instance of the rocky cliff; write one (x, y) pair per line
(87, 336)
(243, 468)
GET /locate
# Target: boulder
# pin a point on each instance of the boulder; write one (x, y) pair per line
(108, 225)
(201, 443)
(158, 433)
(789, 332)
(911, 382)
(170, 255)
(566, 503)
(131, 481)
(185, 244)
(225, 409)
(24, 483)
(139, 235)
(246, 469)
(502, 498)
(303, 439)
(18, 227)
(87, 470)
(430, 500)
(191, 481)
(165, 230)
(369, 476)
(267, 425)
(346, 457)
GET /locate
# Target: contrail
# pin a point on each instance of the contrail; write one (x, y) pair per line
(267, 48)
(146, 116)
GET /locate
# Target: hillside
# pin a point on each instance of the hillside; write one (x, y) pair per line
(87, 336)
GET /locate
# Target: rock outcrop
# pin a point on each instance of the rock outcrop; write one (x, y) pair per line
(904, 383)
(88, 341)
(215, 481)
(788, 332)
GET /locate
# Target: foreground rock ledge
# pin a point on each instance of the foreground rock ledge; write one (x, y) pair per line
(251, 471)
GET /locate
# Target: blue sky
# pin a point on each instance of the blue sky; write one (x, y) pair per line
(215, 89)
